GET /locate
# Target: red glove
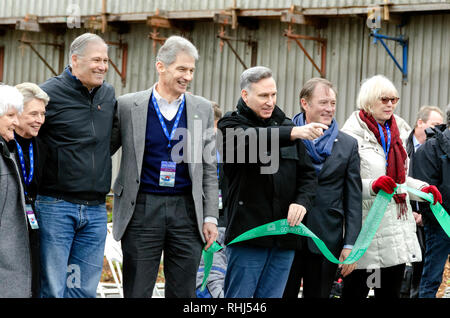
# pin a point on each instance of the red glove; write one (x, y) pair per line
(435, 192)
(385, 183)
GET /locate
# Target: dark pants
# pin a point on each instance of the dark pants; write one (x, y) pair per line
(387, 281)
(317, 272)
(35, 262)
(161, 223)
(436, 254)
(417, 267)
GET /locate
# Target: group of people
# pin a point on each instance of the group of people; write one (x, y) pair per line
(189, 176)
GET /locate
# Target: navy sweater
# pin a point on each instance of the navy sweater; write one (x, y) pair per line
(157, 150)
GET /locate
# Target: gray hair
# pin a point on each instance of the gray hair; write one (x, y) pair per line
(448, 115)
(175, 44)
(78, 45)
(10, 97)
(254, 75)
(31, 91)
(425, 111)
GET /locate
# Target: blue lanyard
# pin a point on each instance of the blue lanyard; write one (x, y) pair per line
(22, 163)
(218, 161)
(383, 142)
(161, 119)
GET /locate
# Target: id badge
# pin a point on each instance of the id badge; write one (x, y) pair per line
(167, 174)
(31, 217)
(220, 200)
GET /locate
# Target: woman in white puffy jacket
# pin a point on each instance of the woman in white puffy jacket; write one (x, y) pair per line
(380, 136)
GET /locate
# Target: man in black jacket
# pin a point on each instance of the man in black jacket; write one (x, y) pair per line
(338, 202)
(270, 177)
(77, 172)
(434, 168)
(428, 116)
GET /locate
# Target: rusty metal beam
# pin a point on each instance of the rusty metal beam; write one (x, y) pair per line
(323, 44)
(257, 13)
(40, 57)
(104, 16)
(123, 74)
(227, 41)
(57, 45)
(253, 44)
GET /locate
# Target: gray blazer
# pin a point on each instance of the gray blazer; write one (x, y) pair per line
(200, 154)
(15, 254)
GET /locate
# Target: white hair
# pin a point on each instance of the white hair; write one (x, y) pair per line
(254, 75)
(172, 46)
(31, 91)
(78, 45)
(10, 97)
(447, 111)
(372, 89)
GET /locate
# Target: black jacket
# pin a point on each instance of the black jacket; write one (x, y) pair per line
(256, 198)
(30, 192)
(434, 167)
(410, 151)
(76, 134)
(414, 204)
(31, 189)
(338, 202)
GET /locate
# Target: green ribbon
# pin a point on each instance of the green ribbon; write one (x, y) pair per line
(362, 243)
(439, 212)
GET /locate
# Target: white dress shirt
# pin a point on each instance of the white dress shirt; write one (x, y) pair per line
(169, 110)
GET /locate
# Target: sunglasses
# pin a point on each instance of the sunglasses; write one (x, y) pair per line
(385, 100)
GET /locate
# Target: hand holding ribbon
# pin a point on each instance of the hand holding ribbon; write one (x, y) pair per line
(362, 243)
(437, 197)
(385, 183)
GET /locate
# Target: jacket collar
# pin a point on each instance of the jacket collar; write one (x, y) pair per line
(446, 141)
(443, 138)
(277, 118)
(75, 82)
(355, 125)
(5, 147)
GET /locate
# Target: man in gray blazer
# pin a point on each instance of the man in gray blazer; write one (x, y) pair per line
(166, 192)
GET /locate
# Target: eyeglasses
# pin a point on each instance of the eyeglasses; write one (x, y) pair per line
(385, 100)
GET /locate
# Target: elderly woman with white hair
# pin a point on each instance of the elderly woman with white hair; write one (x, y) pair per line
(28, 156)
(15, 256)
(381, 135)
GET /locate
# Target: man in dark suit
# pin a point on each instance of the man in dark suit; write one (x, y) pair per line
(336, 214)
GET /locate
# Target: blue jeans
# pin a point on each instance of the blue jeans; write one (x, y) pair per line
(72, 243)
(257, 272)
(437, 249)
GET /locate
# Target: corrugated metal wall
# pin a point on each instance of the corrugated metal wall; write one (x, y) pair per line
(19, 8)
(351, 57)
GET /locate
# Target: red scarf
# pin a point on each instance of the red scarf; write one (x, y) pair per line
(396, 162)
